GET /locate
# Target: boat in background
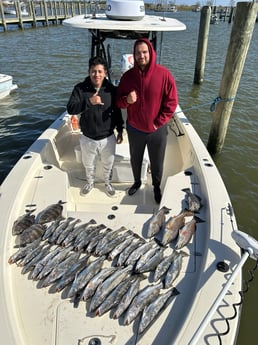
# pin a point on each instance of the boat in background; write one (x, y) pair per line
(6, 85)
(10, 8)
(67, 235)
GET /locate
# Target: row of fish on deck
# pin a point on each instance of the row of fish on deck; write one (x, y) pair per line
(106, 267)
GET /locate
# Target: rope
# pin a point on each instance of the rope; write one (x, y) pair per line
(212, 105)
(219, 99)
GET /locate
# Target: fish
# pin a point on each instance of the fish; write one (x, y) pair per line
(66, 231)
(42, 263)
(157, 221)
(23, 222)
(193, 200)
(51, 228)
(173, 225)
(76, 231)
(114, 297)
(152, 311)
(127, 298)
(32, 254)
(92, 285)
(107, 239)
(163, 266)
(174, 269)
(30, 265)
(141, 300)
(55, 260)
(85, 240)
(22, 252)
(139, 251)
(186, 232)
(50, 213)
(34, 232)
(70, 274)
(90, 248)
(59, 229)
(85, 275)
(108, 285)
(121, 246)
(124, 255)
(60, 269)
(151, 262)
(109, 246)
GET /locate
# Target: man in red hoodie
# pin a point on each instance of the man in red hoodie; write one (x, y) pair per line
(148, 92)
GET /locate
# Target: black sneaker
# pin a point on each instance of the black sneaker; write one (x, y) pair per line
(110, 189)
(132, 190)
(157, 194)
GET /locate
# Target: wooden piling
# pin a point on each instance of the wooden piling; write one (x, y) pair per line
(202, 44)
(241, 35)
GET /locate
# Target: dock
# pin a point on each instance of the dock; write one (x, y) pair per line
(42, 13)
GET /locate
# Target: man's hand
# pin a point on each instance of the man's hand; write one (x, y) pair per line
(131, 97)
(119, 138)
(96, 99)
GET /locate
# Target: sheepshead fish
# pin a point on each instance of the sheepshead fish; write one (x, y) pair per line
(157, 221)
(173, 225)
(193, 200)
(186, 232)
(23, 222)
(30, 234)
(141, 300)
(155, 308)
(50, 213)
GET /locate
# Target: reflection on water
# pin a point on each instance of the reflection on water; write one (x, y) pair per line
(49, 61)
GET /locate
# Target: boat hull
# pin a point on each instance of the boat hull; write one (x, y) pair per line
(49, 172)
(6, 85)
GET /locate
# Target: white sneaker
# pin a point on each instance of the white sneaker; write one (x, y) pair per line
(110, 189)
(86, 189)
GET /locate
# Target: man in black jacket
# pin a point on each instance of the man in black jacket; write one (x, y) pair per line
(94, 100)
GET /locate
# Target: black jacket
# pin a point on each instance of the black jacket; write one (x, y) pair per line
(96, 121)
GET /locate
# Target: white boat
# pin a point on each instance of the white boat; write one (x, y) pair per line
(6, 85)
(51, 170)
(10, 9)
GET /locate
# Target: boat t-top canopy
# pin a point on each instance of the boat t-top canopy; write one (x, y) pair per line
(101, 27)
(148, 23)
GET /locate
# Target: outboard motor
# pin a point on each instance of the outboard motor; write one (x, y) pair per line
(127, 62)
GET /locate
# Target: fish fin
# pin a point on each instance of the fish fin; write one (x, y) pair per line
(186, 190)
(159, 242)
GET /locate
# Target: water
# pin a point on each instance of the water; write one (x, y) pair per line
(46, 63)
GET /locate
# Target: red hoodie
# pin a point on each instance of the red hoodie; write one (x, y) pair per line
(156, 94)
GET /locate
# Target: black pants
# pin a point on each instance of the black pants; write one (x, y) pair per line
(156, 144)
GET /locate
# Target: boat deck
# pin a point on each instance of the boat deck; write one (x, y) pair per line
(51, 171)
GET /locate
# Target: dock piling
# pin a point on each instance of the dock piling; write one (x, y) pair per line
(202, 44)
(240, 38)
